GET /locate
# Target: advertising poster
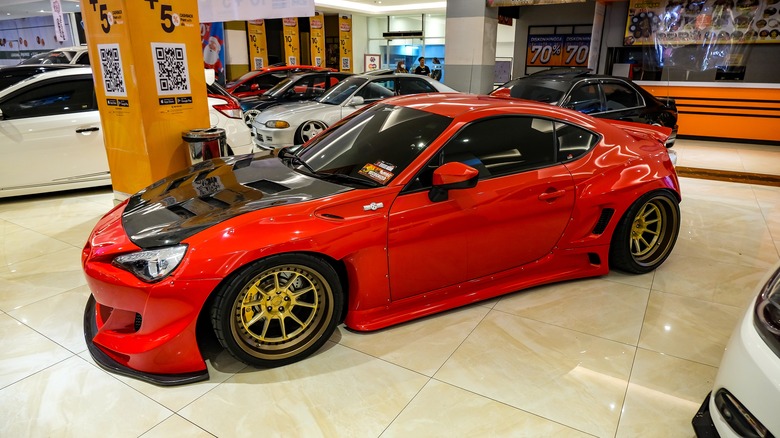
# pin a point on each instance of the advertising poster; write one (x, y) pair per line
(345, 43)
(241, 10)
(292, 48)
(558, 50)
(372, 62)
(258, 49)
(317, 29)
(212, 38)
(23, 38)
(679, 22)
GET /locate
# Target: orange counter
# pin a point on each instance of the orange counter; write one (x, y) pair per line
(724, 110)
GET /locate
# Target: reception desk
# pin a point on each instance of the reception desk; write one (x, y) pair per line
(724, 110)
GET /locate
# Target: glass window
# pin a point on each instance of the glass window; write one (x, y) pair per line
(377, 90)
(83, 59)
(585, 98)
(375, 145)
(52, 98)
(539, 90)
(261, 82)
(573, 141)
(415, 86)
(619, 96)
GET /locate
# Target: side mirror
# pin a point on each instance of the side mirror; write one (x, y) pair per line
(452, 176)
(357, 101)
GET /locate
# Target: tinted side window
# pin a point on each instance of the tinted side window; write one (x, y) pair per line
(83, 59)
(619, 96)
(51, 99)
(585, 98)
(415, 86)
(573, 141)
(376, 90)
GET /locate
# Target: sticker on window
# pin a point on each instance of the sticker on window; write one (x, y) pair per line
(376, 173)
(387, 166)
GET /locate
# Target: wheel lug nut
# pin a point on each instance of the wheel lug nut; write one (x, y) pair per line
(269, 308)
(287, 298)
(281, 308)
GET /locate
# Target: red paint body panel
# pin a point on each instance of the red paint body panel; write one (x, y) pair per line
(410, 257)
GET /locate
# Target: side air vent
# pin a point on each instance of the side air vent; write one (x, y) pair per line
(214, 202)
(266, 186)
(176, 183)
(202, 175)
(180, 211)
(601, 225)
(332, 216)
(594, 258)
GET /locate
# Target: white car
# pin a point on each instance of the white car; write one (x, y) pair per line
(745, 399)
(297, 122)
(66, 55)
(51, 139)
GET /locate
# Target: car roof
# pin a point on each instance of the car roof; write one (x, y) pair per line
(454, 105)
(75, 71)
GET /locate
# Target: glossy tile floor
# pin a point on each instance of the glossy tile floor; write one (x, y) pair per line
(620, 355)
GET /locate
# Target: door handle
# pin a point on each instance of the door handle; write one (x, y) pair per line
(82, 130)
(549, 196)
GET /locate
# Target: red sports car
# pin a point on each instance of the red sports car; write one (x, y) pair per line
(257, 82)
(412, 206)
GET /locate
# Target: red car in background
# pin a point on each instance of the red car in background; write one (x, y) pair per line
(412, 206)
(257, 82)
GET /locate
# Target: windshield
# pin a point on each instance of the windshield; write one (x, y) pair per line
(548, 91)
(374, 146)
(49, 58)
(278, 89)
(343, 90)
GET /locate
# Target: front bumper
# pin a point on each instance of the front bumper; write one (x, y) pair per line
(270, 139)
(109, 364)
(749, 378)
(138, 329)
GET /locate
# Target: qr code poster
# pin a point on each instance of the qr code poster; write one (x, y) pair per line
(259, 63)
(291, 60)
(345, 61)
(170, 69)
(318, 61)
(111, 69)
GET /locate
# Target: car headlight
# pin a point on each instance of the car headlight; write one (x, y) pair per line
(277, 124)
(767, 312)
(154, 264)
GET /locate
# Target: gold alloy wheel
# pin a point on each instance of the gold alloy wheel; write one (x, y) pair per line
(647, 229)
(281, 311)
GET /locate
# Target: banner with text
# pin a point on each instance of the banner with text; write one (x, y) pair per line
(317, 29)
(292, 48)
(258, 49)
(241, 10)
(345, 43)
(558, 50)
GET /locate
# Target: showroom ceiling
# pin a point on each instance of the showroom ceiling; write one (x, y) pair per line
(10, 9)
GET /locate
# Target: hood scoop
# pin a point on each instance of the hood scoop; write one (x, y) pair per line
(266, 186)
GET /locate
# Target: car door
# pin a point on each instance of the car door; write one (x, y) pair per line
(514, 216)
(621, 101)
(50, 134)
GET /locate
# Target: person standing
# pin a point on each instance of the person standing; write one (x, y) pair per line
(401, 67)
(422, 69)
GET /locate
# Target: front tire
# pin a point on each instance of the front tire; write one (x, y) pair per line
(646, 234)
(249, 116)
(279, 310)
(309, 130)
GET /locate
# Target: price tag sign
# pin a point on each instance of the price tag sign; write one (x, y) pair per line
(576, 49)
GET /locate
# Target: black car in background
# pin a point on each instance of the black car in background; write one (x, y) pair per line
(603, 96)
(10, 75)
(301, 86)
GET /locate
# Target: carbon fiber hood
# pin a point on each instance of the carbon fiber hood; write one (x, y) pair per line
(210, 192)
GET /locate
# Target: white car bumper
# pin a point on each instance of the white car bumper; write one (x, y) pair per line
(748, 381)
(270, 139)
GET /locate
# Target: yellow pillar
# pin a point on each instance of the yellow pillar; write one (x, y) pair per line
(150, 85)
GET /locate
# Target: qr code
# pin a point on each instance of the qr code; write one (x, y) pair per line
(170, 68)
(318, 61)
(111, 66)
(259, 63)
(292, 60)
(345, 64)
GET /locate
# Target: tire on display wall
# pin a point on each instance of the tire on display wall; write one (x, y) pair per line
(278, 310)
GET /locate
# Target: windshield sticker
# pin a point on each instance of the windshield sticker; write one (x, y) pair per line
(387, 166)
(376, 173)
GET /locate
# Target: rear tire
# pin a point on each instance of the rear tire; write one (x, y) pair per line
(646, 234)
(278, 310)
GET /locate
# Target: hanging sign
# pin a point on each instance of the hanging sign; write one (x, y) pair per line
(291, 41)
(239, 10)
(317, 26)
(345, 43)
(59, 23)
(558, 50)
(212, 39)
(258, 50)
